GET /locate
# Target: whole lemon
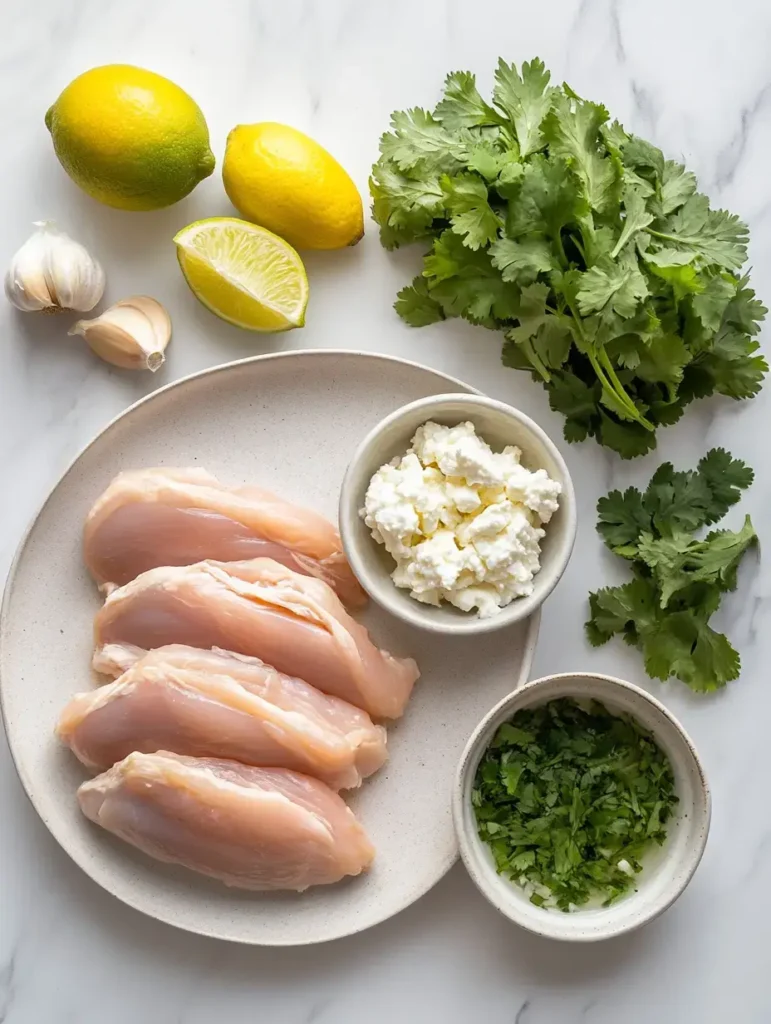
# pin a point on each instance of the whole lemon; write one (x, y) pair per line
(280, 178)
(130, 138)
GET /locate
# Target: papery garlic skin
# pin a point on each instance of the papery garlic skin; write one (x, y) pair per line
(52, 272)
(132, 334)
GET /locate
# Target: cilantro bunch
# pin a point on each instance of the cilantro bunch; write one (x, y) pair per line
(614, 283)
(569, 799)
(678, 580)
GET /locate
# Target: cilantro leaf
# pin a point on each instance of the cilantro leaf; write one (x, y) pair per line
(711, 304)
(522, 261)
(689, 649)
(733, 364)
(691, 499)
(552, 341)
(677, 500)
(627, 439)
(447, 258)
(636, 217)
(662, 360)
(547, 198)
(417, 139)
(471, 216)
(415, 305)
(465, 282)
(614, 136)
(745, 312)
(501, 167)
(726, 478)
(621, 519)
(612, 286)
(577, 401)
(543, 338)
(678, 561)
(631, 609)
(572, 129)
(677, 269)
(716, 236)
(405, 204)
(713, 663)
(525, 99)
(462, 106)
(642, 156)
(677, 186)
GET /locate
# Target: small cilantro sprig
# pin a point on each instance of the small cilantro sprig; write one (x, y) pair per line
(613, 282)
(569, 798)
(678, 580)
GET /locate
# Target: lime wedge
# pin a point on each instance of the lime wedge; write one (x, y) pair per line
(243, 273)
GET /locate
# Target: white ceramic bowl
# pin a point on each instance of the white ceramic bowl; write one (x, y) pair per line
(499, 425)
(671, 866)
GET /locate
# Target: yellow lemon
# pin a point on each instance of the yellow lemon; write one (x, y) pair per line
(243, 273)
(130, 138)
(276, 176)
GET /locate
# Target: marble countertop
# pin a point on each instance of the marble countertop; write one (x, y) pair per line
(691, 75)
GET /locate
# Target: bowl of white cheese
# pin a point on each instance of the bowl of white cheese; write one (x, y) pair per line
(457, 514)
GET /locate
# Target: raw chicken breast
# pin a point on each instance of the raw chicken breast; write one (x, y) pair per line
(218, 704)
(253, 828)
(152, 517)
(258, 608)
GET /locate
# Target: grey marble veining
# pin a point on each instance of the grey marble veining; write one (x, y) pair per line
(691, 75)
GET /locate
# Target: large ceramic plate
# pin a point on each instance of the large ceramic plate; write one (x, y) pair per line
(289, 422)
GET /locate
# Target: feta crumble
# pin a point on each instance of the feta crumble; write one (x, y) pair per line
(462, 522)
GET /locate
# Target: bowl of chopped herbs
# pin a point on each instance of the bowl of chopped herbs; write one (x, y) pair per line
(581, 807)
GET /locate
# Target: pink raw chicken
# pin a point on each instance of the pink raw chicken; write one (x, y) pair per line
(259, 608)
(152, 517)
(252, 828)
(218, 704)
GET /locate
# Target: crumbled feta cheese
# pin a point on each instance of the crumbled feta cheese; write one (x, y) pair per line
(457, 451)
(462, 522)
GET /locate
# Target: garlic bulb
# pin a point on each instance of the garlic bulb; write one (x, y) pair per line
(132, 334)
(51, 272)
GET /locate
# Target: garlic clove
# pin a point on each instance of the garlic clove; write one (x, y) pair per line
(132, 334)
(26, 285)
(52, 272)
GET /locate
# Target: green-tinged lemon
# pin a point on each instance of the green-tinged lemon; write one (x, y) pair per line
(244, 273)
(130, 138)
(276, 176)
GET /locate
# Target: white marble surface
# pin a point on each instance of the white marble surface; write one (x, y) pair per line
(692, 75)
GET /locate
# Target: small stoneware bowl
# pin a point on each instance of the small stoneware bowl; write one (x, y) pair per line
(668, 869)
(498, 424)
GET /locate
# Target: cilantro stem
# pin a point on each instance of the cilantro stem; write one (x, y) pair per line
(660, 234)
(618, 387)
(536, 361)
(578, 244)
(586, 228)
(619, 246)
(600, 364)
(561, 254)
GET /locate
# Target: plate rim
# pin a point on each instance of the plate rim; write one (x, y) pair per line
(531, 638)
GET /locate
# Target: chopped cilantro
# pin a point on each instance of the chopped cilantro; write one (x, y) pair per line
(570, 798)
